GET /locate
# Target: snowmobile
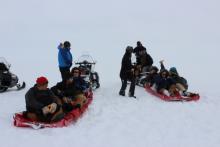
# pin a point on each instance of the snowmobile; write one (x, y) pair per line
(86, 65)
(7, 78)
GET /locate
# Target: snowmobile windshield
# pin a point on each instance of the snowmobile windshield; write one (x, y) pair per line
(4, 65)
(85, 59)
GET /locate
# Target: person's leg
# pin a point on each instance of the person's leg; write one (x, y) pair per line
(123, 87)
(58, 115)
(64, 72)
(132, 87)
(80, 99)
(31, 116)
(173, 90)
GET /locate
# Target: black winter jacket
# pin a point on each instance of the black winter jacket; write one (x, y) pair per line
(37, 99)
(145, 60)
(126, 66)
(62, 89)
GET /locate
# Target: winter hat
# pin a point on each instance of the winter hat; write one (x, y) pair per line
(41, 80)
(129, 49)
(154, 68)
(173, 70)
(66, 44)
(139, 43)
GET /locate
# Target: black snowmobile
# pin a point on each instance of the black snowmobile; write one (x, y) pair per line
(86, 65)
(8, 79)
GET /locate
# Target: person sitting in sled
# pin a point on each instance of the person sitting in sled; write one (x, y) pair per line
(150, 78)
(41, 104)
(164, 84)
(127, 72)
(68, 93)
(80, 83)
(181, 83)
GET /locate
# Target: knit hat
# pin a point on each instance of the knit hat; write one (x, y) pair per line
(41, 80)
(173, 71)
(66, 44)
(129, 49)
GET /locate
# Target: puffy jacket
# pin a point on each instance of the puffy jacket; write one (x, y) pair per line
(37, 99)
(64, 57)
(126, 66)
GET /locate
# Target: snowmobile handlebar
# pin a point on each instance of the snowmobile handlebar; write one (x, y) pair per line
(84, 63)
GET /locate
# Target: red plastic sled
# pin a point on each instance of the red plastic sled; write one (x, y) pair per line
(194, 97)
(21, 121)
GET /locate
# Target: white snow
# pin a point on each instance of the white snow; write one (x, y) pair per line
(185, 33)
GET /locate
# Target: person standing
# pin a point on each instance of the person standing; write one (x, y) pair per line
(138, 50)
(127, 73)
(65, 59)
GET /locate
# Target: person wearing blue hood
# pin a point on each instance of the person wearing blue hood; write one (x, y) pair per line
(65, 59)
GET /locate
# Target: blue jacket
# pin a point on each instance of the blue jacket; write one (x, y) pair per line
(64, 57)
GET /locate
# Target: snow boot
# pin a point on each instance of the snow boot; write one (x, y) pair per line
(131, 95)
(122, 93)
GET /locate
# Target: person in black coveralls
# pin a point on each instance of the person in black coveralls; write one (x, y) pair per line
(127, 73)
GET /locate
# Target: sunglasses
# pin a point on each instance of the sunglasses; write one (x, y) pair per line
(76, 71)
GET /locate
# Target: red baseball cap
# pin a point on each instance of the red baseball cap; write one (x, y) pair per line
(41, 80)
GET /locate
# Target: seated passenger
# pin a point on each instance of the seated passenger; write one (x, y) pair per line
(181, 83)
(80, 83)
(42, 104)
(164, 84)
(68, 92)
(149, 80)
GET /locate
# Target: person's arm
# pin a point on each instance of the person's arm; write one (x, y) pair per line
(60, 46)
(149, 60)
(162, 67)
(32, 102)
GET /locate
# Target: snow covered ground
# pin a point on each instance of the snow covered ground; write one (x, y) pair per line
(184, 33)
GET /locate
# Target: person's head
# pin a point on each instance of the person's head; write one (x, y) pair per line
(67, 44)
(164, 73)
(42, 83)
(129, 49)
(139, 43)
(153, 69)
(75, 72)
(173, 71)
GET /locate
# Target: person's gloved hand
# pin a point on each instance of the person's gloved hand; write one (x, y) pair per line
(52, 107)
(45, 110)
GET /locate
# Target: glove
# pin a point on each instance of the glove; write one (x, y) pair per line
(45, 110)
(52, 107)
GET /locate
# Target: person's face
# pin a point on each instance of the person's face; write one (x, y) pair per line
(76, 73)
(164, 74)
(43, 87)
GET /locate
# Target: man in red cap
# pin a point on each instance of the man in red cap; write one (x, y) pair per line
(42, 104)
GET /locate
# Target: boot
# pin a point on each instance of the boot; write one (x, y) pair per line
(131, 95)
(122, 93)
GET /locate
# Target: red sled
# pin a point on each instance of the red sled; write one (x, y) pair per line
(193, 97)
(69, 118)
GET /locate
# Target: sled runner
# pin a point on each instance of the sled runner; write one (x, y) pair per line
(191, 97)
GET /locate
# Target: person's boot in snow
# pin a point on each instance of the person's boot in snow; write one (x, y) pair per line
(122, 93)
